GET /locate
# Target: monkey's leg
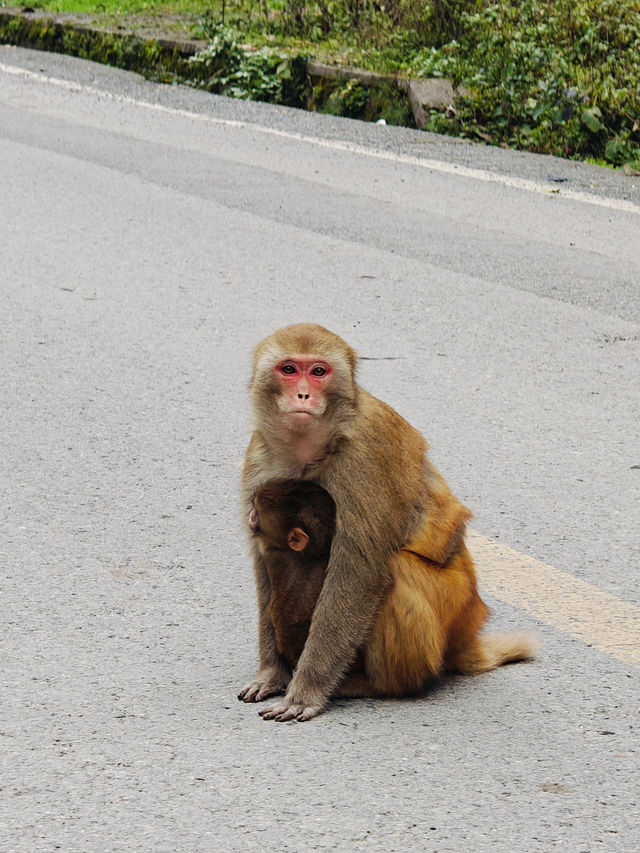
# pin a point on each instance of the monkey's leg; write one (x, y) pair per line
(464, 653)
(274, 674)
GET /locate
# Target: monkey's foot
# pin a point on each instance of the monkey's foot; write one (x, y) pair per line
(290, 710)
(267, 682)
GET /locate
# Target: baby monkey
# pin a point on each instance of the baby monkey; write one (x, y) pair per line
(428, 620)
(294, 521)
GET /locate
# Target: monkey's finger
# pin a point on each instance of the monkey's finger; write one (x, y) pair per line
(300, 713)
(309, 712)
(284, 713)
(265, 692)
(252, 692)
(273, 712)
(292, 713)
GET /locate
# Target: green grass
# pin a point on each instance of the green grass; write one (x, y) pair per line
(122, 7)
(553, 76)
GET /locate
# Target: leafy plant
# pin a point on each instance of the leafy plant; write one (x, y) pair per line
(558, 77)
(554, 76)
(261, 75)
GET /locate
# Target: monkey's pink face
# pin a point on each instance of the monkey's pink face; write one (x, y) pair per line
(303, 381)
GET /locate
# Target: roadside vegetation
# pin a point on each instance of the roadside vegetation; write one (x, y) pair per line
(553, 76)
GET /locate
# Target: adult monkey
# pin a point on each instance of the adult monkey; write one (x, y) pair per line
(314, 422)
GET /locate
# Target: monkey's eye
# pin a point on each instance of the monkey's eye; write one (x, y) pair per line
(319, 371)
(288, 369)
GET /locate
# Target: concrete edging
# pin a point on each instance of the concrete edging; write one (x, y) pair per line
(42, 30)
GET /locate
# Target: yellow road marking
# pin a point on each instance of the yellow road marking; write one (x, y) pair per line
(556, 598)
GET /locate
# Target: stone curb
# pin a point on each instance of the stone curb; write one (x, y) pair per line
(423, 93)
(76, 24)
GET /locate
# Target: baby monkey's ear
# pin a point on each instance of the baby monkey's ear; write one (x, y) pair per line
(297, 539)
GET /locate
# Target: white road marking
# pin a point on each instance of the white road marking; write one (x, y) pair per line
(523, 184)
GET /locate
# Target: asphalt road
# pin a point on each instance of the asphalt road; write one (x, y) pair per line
(149, 237)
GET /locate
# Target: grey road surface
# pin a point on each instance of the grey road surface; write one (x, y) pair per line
(149, 237)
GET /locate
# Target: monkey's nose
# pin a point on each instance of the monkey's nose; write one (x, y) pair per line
(303, 396)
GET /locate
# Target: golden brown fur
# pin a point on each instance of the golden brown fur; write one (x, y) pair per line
(429, 623)
(388, 497)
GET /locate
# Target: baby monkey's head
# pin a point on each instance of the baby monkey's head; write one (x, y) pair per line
(294, 514)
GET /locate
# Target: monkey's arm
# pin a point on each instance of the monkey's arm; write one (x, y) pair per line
(375, 485)
(274, 674)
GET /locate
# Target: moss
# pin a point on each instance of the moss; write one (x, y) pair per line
(279, 79)
(121, 51)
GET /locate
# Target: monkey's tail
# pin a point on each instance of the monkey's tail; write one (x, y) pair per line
(489, 651)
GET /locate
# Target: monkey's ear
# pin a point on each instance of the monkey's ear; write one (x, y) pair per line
(297, 539)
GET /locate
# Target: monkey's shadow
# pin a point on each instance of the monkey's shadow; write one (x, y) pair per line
(434, 689)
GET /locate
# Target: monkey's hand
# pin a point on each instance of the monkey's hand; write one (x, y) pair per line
(267, 682)
(292, 708)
